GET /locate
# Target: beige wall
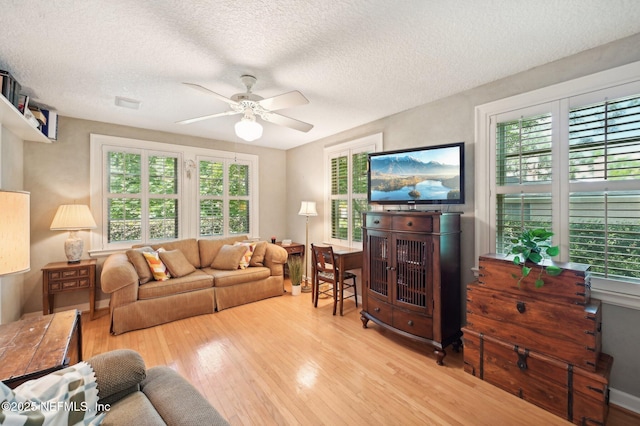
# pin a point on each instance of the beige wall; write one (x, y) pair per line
(11, 178)
(58, 173)
(452, 120)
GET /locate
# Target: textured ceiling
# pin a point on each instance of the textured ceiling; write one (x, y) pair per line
(355, 60)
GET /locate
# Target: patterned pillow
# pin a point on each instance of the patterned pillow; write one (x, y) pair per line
(158, 269)
(246, 258)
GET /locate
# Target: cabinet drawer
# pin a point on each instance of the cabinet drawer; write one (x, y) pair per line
(379, 309)
(409, 223)
(69, 284)
(70, 273)
(413, 323)
(378, 221)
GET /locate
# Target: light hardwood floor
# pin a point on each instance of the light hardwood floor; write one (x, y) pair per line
(282, 362)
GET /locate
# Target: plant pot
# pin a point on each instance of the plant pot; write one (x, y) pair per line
(296, 290)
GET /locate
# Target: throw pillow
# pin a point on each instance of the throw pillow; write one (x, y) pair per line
(140, 263)
(257, 259)
(176, 263)
(246, 258)
(228, 258)
(158, 269)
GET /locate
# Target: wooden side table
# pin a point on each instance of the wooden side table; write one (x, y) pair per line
(62, 277)
(34, 347)
(293, 249)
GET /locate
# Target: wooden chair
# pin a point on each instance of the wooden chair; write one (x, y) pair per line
(325, 271)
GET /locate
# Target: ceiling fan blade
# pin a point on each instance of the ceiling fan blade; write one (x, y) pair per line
(286, 100)
(206, 117)
(275, 118)
(214, 94)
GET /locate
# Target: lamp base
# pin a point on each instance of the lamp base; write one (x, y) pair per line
(73, 247)
(306, 288)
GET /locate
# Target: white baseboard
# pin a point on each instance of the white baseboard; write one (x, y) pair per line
(624, 400)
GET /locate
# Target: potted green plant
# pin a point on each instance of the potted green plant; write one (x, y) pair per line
(295, 273)
(534, 246)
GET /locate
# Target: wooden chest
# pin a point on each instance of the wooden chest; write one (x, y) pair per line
(569, 332)
(572, 286)
(578, 395)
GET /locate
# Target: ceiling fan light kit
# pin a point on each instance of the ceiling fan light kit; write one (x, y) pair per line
(252, 105)
(247, 128)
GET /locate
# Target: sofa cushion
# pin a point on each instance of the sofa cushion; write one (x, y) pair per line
(195, 281)
(246, 258)
(209, 248)
(158, 269)
(223, 278)
(257, 258)
(140, 263)
(228, 258)
(136, 409)
(118, 373)
(176, 263)
(177, 401)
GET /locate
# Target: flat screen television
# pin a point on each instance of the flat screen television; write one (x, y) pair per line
(425, 175)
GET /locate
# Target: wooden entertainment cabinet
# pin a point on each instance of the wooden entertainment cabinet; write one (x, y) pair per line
(411, 275)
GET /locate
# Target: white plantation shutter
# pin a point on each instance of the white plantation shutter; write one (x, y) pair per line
(604, 173)
(347, 188)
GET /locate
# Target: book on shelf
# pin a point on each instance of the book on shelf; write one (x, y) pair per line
(10, 88)
(31, 119)
(50, 129)
(38, 114)
(23, 103)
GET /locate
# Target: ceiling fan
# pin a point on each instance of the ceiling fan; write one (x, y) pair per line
(251, 105)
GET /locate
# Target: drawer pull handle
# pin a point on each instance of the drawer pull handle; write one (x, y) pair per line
(591, 388)
(376, 309)
(520, 306)
(409, 223)
(410, 323)
(522, 358)
(376, 222)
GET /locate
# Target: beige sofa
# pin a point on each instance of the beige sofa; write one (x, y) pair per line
(211, 284)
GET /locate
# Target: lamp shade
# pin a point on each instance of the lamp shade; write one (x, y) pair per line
(308, 208)
(248, 129)
(15, 237)
(73, 217)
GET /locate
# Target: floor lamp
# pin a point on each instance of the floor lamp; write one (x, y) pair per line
(307, 208)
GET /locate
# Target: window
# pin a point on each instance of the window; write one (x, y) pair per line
(347, 189)
(142, 196)
(147, 192)
(224, 195)
(566, 158)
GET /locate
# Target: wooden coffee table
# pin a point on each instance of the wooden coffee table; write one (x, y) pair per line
(34, 347)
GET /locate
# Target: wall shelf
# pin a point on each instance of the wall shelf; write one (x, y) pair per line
(17, 124)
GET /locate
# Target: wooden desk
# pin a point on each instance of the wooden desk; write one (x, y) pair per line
(346, 259)
(34, 347)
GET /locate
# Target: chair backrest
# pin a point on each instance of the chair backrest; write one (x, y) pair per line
(323, 260)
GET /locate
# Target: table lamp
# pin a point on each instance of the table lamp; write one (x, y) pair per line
(73, 218)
